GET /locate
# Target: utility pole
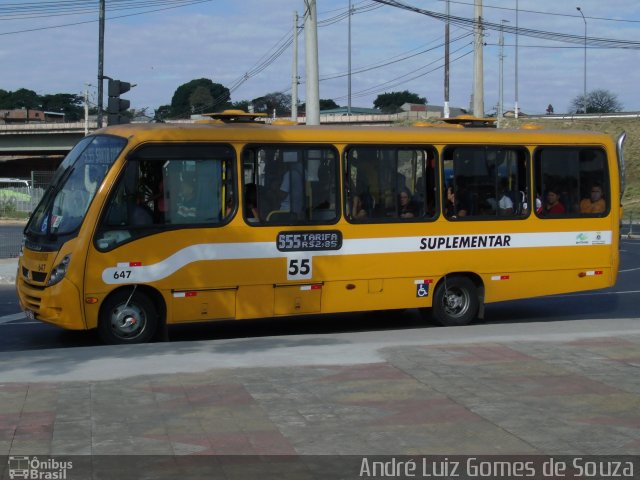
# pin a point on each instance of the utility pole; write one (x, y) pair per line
(86, 110)
(585, 60)
(294, 71)
(501, 76)
(478, 67)
(446, 65)
(311, 63)
(100, 60)
(516, 107)
(349, 62)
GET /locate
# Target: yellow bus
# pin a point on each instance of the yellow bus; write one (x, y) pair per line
(151, 225)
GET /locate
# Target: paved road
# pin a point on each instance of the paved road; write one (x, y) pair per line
(17, 333)
(10, 239)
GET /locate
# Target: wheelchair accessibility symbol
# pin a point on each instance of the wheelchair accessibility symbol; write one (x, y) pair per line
(422, 288)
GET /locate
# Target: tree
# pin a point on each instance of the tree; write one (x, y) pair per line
(598, 101)
(277, 101)
(328, 104)
(241, 105)
(181, 102)
(71, 105)
(68, 103)
(5, 100)
(392, 101)
(325, 104)
(24, 98)
(162, 113)
(200, 99)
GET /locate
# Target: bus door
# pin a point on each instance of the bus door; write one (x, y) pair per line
(390, 197)
(162, 228)
(291, 199)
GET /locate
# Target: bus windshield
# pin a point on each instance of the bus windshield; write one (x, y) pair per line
(74, 185)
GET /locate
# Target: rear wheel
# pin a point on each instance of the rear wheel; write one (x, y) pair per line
(455, 301)
(128, 317)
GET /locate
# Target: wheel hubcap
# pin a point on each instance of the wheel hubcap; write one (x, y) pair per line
(128, 321)
(456, 302)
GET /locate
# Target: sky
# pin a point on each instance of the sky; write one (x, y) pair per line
(162, 44)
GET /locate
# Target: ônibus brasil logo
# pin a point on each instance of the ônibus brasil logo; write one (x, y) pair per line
(33, 468)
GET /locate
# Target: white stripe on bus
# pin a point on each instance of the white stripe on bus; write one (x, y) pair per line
(358, 246)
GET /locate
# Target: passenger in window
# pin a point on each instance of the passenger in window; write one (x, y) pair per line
(187, 199)
(406, 207)
(453, 208)
(358, 211)
(291, 191)
(553, 205)
(159, 203)
(269, 197)
(505, 204)
(389, 203)
(595, 203)
(229, 206)
(251, 203)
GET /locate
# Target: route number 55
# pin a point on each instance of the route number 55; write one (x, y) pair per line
(299, 269)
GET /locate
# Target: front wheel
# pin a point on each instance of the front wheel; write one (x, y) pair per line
(455, 301)
(127, 317)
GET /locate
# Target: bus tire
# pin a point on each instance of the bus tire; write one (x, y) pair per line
(455, 302)
(126, 318)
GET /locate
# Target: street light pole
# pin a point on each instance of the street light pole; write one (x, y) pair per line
(501, 76)
(478, 69)
(516, 108)
(100, 60)
(349, 66)
(585, 60)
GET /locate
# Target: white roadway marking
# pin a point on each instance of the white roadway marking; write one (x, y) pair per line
(10, 318)
(629, 270)
(592, 294)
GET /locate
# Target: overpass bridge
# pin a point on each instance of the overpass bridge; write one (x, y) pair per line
(35, 139)
(54, 139)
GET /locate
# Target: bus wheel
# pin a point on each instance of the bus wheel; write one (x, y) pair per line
(127, 317)
(455, 301)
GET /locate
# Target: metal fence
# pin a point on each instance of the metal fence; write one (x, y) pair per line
(18, 198)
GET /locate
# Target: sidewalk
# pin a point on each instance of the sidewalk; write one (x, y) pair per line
(457, 391)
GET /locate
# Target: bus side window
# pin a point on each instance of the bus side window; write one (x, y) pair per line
(574, 180)
(290, 185)
(486, 182)
(169, 186)
(390, 183)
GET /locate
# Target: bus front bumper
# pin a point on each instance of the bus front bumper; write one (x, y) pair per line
(58, 304)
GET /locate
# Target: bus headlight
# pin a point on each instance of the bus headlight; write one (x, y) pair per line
(59, 271)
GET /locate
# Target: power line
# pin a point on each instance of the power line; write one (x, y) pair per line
(412, 75)
(391, 62)
(528, 32)
(79, 8)
(173, 6)
(278, 50)
(544, 13)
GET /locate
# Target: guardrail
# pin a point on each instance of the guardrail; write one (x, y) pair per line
(44, 127)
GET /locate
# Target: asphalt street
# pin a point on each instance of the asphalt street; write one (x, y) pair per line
(621, 301)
